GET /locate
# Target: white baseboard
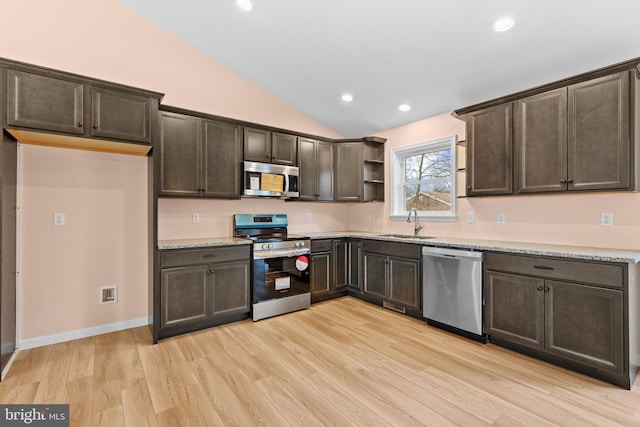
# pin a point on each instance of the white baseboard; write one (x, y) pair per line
(82, 333)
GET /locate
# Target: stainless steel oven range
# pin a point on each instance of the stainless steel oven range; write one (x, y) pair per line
(281, 281)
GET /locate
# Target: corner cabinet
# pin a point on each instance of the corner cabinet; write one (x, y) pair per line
(359, 170)
(198, 157)
(577, 134)
(202, 287)
(572, 313)
(86, 110)
(392, 275)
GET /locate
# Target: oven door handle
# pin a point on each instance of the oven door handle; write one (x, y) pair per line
(280, 254)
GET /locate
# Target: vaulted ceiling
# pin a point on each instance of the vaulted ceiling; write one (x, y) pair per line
(435, 56)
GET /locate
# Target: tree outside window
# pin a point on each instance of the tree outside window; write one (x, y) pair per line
(423, 177)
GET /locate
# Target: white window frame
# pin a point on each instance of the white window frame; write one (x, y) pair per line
(398, 155)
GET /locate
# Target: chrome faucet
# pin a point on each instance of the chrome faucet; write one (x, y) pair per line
(416, 226)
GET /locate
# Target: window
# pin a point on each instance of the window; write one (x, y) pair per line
(423, 177)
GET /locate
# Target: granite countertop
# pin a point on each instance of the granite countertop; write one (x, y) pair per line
(201, 243)
(561, 251)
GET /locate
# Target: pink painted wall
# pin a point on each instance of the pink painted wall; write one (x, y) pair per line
(102, 195)
(559, 219)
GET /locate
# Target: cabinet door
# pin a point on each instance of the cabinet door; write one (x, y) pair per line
(307, 165)
(320, 273)
(257, 145)
(585, 323)
(230, 286)
(348, 169)
(184, 295)
(489, 152)
(120, 115)
(340, 261)
(355, 264)
(540, 126)
(324, 159)
(515, 308)
(375, 275)
(44, 103)
(284, 149)
(222, 166)
(180, 148)
(599, 151)
(404, 282)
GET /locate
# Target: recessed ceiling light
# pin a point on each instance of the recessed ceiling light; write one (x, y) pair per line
(503, 24)
(245, 5)
(404, 107)
(347, 97)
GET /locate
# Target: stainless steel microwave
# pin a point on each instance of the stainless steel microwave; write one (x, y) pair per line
(269, 180)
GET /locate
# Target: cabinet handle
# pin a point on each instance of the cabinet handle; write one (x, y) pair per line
(468, 187)
(78, 125)
(539, 288)
(209, 256)
(563, 181)
(543, 267)
(570, 181)
(546, 289)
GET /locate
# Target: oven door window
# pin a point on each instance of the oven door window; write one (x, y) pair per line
(277, 278)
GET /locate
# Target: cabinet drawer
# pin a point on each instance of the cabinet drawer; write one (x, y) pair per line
(321, 245)
(175, 258)
(399, 250)
(575, 271)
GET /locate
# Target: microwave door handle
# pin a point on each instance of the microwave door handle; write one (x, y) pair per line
(286, 183)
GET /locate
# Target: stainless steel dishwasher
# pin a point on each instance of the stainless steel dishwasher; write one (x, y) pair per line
(452, 290)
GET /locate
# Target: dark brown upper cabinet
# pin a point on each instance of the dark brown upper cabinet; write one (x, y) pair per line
(316, 169)
(599, 154)
(489, 152)
(270, 147)
(540, 124)
(89, 111)
(577, 134)
(574, 138)
(199, 157)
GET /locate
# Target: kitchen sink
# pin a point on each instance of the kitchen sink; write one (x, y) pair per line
(406, 236)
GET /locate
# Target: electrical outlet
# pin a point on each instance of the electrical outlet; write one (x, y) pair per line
(58, 219)
(470, 218)
(500, 219)
(108, 295)
(606, 219)
(368, 216)
(309, 216)
(195, 218)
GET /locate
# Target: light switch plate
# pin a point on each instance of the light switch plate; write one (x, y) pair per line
(195, 218)
(500, 219)
(470, 218)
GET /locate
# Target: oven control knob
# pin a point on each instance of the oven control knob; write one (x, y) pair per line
(265, 246)
(270, 246)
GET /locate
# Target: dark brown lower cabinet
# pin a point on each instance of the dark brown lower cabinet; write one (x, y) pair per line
(329, 269)
(534, 304)
(392, 275)
(196, 292)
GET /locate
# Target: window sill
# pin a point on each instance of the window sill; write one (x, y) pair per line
(425, 218)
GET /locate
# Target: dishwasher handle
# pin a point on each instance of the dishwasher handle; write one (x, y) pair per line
(452, 253)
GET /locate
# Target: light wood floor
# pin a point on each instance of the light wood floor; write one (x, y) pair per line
(342, 362)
